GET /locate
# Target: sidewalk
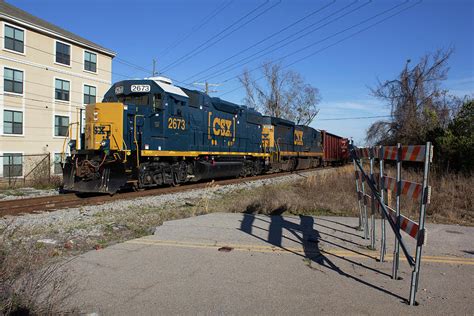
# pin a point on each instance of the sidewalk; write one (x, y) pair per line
(245, 264)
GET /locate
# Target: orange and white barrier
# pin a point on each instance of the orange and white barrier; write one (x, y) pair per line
(410, 189)
(407, 225)
(379, 185)
(409, 153)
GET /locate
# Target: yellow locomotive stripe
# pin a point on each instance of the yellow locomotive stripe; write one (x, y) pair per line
(173, 153)
(300, 153)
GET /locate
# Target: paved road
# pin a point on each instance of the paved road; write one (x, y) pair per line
(276, 265)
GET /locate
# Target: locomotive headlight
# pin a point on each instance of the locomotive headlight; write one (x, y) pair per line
(103, 143)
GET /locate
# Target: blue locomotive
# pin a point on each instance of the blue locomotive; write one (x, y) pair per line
(150, 132)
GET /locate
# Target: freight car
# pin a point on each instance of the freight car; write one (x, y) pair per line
(150, 132)
(336, 150)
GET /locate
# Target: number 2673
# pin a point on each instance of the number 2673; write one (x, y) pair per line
(176, 123)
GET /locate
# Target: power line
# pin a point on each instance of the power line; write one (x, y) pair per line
(196, 28)
(334, 35)
(132, 65)
(331, 45)
(263, 40)
(50, 101)
(203, 46)
(48, 86)
(356, 33)
(353, 118)
(286, 43)
(118, 59)
(206, 85)
(74, 61)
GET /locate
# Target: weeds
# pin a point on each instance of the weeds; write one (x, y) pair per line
(32, 280)
(333, 193)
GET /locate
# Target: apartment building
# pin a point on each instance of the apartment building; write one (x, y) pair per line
(47, 75)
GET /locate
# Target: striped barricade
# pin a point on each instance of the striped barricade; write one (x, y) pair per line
(408, 153)
(410, 189)
(367, 152)
(407, 225)
(378, 185)
(363, 152)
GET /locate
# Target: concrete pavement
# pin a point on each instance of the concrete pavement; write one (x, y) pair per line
(245, 264)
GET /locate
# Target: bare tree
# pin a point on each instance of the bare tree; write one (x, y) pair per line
(284, 94)
(417, 102)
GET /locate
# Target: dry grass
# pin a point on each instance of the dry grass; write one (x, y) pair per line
(452, 198)
(333, 193)
(329, 192)
(32, 279)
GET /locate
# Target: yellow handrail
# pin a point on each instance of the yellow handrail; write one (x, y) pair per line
(135, 137)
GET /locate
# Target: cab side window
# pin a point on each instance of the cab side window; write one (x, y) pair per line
(157, 102)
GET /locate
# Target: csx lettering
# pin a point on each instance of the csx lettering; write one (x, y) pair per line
(222, 127)
(299, 138)
(99, 130)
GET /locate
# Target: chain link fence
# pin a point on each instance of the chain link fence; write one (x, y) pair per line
(36, 170)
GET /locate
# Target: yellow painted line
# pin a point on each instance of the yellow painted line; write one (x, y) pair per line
(298, 250)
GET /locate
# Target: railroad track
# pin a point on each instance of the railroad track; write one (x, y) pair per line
(50, 203)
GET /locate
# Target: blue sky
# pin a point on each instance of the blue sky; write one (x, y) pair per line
(342, 67)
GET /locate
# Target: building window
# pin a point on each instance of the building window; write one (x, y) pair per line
(63, 53)
(14, 39)
(90, 94)
(13, 81)
(58, 160)
(90, 61)
(12, 122)
(12, 165)
(61, 125)
(62, 90)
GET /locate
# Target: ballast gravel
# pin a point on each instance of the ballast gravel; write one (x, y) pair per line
(25, 193)
(61, 221)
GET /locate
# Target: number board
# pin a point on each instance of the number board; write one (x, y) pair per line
(119, 90)
(140, 88)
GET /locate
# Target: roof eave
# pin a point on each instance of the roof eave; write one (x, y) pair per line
(56, 34)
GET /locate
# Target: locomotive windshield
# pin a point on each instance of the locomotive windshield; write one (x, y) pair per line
(135, 99)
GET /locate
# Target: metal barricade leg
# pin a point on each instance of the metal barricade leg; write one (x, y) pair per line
(382, 196)
(366, 220)
(421, 233)
(396, 251)
(357, 177)
(372, 204)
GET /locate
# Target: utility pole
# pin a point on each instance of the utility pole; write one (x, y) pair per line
(154, 67)
(207, 85)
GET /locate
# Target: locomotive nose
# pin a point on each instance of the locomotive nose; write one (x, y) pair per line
(104, 122)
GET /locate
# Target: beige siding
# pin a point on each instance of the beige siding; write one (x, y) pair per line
(37, 102)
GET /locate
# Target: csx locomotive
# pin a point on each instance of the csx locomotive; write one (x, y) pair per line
(150, 132)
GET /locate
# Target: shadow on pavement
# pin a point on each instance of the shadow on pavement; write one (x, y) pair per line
(305, 234)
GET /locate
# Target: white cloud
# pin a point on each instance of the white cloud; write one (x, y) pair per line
(351, 108)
